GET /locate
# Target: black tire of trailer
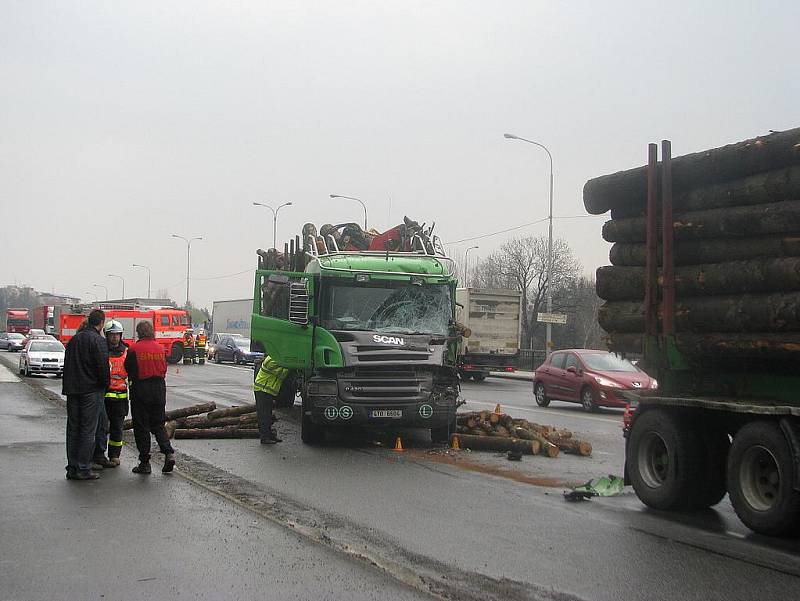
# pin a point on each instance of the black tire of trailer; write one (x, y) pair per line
(311, 433)
(176, 353)
(761, 480)
(480, 377)
(666, 461)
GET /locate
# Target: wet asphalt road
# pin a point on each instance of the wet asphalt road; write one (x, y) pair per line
(467, 523)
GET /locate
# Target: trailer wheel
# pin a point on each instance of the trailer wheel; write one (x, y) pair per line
(663, 461)
(287, 393)
(479, 377)
(176, 353)
(541, 395)
(760, 480)
(711, 489)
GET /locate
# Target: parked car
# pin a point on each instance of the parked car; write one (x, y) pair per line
(591, 378)
(42, 356)
(215, 338)
(4, 340)
(236, 349)
(12, 341)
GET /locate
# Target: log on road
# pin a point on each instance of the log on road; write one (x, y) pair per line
(733, 277)
(737, 222)
(182, 412)
(226, 432)
(204, 422)
(573, 447)
(708, 167)
(232, 411)
(493, 443)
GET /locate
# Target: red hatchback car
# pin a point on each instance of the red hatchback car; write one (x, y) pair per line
(591, 378)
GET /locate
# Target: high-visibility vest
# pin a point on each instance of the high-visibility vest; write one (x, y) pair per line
(118, 387)
(270, 377)
(201, 340)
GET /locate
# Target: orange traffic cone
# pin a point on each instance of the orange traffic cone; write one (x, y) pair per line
(455, 444)
(497, 409)
(398, 445)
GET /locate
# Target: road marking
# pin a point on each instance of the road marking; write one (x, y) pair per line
(551, 413)
(6, 375)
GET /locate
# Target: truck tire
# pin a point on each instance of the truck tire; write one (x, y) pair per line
(176, 353)
(442, 433)
(761, 480)
(662, 460)
(311, 433)
(479, 377)
(287, 393)
(712, 487)
(540, 394)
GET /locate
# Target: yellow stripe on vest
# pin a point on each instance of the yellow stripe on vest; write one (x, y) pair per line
(114, 443)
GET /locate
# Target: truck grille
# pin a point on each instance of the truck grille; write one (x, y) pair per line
(376, 385)
(391, 354)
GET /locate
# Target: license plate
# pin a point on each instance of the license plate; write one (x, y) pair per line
(393, 413)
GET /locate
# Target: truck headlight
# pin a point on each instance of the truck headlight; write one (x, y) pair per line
(323, 388)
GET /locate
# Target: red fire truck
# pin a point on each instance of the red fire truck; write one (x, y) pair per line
(18, 321)
(168, 322)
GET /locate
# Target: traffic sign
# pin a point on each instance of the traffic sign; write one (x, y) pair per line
(551, 318)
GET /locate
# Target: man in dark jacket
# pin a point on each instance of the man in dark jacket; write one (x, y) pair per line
(146, 365)
(86, 378)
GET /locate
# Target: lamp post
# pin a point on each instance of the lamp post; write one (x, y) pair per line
(92, 293)
(188, 250)
(549, 238)
(466, 265)
(111, 275)
(274, 219)
(103, 287)
(358, 200)
(148, 276)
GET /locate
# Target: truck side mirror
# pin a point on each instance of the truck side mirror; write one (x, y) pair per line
(298, 303)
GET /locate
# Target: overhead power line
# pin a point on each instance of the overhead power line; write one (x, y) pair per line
(516, 227)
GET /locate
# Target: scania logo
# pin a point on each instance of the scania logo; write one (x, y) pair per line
(389, 340)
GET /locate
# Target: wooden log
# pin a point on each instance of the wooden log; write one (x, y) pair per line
(573, 446)
(735, 161)
(771, 186)
(784, 346)
(226, 432)
(732, 277)
(178, 413)
(525, 434)
(547, 447)
(489, 443)
(765, 313)
(486, 426)
(713, 250)
(502, 431)
(494, 419)
(232, 411)
(170, 428)
(204, 422)
(737, 222)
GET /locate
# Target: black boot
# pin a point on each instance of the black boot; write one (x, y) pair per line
(142, 468)
(169, 463)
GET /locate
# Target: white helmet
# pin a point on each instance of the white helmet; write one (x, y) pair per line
(112, 327)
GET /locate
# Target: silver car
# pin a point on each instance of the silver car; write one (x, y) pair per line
(42, 356)
(13, 342)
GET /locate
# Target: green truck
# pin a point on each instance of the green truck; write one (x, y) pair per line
(704, 286)
(370, 335)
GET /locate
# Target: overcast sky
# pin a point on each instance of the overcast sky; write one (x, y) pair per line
(122, 123)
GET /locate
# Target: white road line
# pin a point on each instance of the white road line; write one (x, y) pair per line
(551, 413)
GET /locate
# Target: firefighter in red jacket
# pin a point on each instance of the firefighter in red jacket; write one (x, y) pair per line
(116, 401)
(146, 365)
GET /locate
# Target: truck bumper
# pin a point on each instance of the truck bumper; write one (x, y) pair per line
(334, 413)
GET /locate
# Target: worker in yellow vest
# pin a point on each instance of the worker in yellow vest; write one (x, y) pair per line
(267, 385)
(116, 399)
(188, 347)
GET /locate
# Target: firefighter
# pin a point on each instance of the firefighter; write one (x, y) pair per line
(200, 346)
(188, 347)
(269, 379)
(116, 401)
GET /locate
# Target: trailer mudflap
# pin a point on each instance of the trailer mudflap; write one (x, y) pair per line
(792, 433)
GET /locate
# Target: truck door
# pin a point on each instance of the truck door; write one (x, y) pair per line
(281, 323)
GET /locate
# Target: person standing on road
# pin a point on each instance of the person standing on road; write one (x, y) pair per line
(146, 365)
(86, 378)
(269, 379)
(109, 426)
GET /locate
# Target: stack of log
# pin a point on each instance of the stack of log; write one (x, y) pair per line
(489, 431)
(736, 220)
(189, 422)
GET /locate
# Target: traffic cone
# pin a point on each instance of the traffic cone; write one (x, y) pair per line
(455, 444)
(398, 445)
(497, 409)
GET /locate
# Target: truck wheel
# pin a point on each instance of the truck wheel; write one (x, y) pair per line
(711, 489)
(442, 433)
(541, 395)
(479, 377)
(287, 393)
(760, 480)
(311, 433)
(662, 460)
(176, 353)
(587, 399)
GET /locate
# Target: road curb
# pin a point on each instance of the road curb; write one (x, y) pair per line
(513, 375)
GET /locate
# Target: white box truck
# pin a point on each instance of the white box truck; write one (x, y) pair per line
(232, 317)
(493, 315)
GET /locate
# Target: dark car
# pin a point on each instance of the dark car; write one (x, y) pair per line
(214, 342)
(591, 378)
(12, 341)
(235, 349)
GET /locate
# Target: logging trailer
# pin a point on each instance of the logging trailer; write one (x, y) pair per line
(726, 418)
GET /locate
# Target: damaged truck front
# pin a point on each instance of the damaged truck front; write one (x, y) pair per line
(371, 337)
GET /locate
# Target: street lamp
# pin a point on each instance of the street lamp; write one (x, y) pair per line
(274, 220)
(103, 287)
(93, 294)
(111, 275)
(549, 238)
(466, 265)
(148, 276)
(357, 200)
(188, 249)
